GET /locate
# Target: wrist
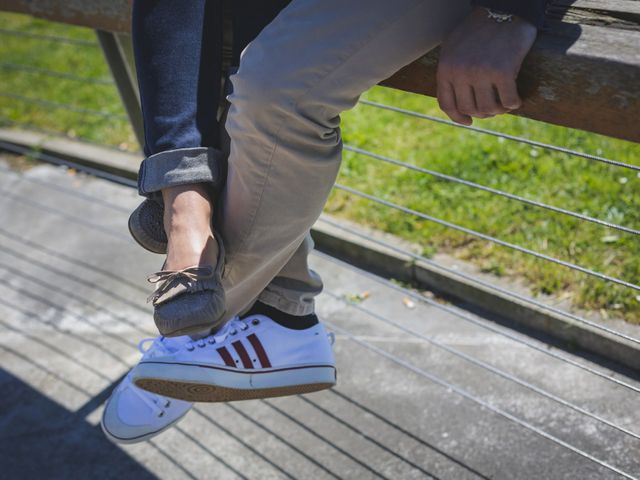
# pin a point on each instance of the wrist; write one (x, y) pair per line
(531, 11)
(505, 20)
(498, 16)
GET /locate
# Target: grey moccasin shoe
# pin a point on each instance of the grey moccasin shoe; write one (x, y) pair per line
(146, 226)
(190, 300)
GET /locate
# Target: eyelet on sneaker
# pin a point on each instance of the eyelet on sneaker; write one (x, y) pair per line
(167, 404)
(255, 321)
(191, 348)
(161, 414)
(233, 332)
(244, 327)
(211, 341)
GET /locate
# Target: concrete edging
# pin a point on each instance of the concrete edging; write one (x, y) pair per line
(371, 256)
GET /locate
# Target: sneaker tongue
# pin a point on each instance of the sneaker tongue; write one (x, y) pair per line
(223, 331)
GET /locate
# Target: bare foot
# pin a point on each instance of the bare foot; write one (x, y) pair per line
(187, 221)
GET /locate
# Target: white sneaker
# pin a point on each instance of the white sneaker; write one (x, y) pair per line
(132, 415)
(250, 358)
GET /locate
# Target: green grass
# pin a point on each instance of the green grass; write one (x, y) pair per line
(82, 61)
(587, 187)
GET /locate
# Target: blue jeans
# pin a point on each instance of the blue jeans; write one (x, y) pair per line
(178, 51)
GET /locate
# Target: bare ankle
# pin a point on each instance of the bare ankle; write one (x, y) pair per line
(187, 222)
(186, 206)
(196, 194)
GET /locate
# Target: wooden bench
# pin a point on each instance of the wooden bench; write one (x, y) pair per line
(583, 72)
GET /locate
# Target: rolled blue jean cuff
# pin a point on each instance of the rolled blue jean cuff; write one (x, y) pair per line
(181, 166)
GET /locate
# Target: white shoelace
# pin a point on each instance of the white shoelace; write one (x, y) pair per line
(156, 403)
(232, 327)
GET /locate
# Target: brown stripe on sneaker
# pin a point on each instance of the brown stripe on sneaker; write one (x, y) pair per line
(244, 356)
(259, 349)
(226, 356)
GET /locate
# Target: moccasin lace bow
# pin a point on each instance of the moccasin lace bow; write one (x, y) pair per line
(167, 279)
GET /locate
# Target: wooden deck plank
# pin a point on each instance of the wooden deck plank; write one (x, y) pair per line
(72, 310)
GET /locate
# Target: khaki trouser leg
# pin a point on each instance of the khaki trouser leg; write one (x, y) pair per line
(305, 68)
(294, 288)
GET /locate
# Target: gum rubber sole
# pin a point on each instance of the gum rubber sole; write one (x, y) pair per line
(200, 392)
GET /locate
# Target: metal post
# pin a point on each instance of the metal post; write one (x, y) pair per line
(118, 51)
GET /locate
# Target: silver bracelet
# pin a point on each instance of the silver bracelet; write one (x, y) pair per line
(499, 17)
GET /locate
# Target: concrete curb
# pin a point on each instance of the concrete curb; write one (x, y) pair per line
(109, 160)
(371, 256)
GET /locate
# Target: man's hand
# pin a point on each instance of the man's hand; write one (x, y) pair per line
(479, 63)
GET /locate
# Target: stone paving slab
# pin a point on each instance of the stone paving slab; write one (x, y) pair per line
(72, 309)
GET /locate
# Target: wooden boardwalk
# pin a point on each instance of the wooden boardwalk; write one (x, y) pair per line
(433, 391)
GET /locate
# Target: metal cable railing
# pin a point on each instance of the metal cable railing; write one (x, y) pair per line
(48, 38)
(510, 196)
(489, 238)
(48, 104)
(506, 136)
(494, 191)
(55, 133)
(9, 147)
(54, 74)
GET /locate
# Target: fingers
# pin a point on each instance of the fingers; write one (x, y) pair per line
(487, 101)
(462, 102)
(447, 103)
(463, 96)
(508, 94)
(465, 99)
